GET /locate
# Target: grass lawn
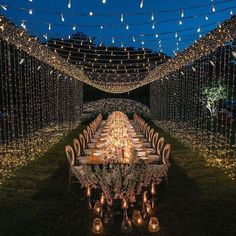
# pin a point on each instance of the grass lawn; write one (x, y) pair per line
(201, 200)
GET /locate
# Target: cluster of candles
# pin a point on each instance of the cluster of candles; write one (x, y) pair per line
(138, 217)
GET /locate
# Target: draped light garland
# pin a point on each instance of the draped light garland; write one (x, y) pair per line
(197, 105)
(224, 33)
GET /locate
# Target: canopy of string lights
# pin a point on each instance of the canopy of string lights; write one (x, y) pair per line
(117, 69)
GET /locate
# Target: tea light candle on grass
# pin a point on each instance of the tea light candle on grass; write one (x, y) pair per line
(153, 225)
(137, 217)
(97, 226)
(97, 208)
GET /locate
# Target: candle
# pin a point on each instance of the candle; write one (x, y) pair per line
(153, 225)
(97, 208)
(88, 192)
(97, 226)
(102, 200)
(145, 197)
(149, 208)
(126, 226)
(124, 205)
(137, 217)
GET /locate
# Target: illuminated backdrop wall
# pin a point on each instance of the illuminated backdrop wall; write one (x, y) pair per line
(197, 103)
(34, 96)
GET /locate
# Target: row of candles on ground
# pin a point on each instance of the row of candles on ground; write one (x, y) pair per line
(138, 217)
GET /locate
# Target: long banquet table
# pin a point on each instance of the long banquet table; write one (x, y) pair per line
(118, 142)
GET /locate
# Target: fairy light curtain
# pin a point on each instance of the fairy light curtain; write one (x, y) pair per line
(197, 103)
(33, 96)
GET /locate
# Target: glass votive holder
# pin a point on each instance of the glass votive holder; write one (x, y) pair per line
(97, 226)
(149, 208)
(137, 218)
(97, 209)
(126, 226)
(154, 225)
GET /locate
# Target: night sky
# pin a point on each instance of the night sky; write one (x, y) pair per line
(45, 12)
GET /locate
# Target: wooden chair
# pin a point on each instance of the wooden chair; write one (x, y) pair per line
(165, 160)
(155, 139)
(79, 158)
(83, 142)
(160, 145)
(70, 156)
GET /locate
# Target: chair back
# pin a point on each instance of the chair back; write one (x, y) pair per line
(86, 135)
(150, 135)
(82, 141)
(160, 145)
(77, 147)
(154, 140)
(166, 154)
(70, 156)
(147, 131)
(89, 132)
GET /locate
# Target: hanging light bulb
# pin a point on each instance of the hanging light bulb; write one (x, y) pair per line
(62, 17)
(69, 4)
(182, 14)
(74, 27)
(180, 22)
(49, 26)
(127, 27)
(176, 34)
(104, 1)
(213, 8)
(231, 12)
(206, 17)
(113, 40)
(142, 42)
(30, 0)
(122, 18)
(45, 36)
(152, 18)
(133, 39)
(30, 11)
(91, 13)
(153, 26)
(4, 7)
(141, 4)
(101, 26)
(156, 35)
(198, 29)
(23, 25)
(21, 61)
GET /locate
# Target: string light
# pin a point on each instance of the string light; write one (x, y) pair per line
(122, 18)
(45, 36)
(23, 25)
(152, 17)
(141, 4)
(213, 9)
(69, 4)
(62, 18)
(4, 7)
